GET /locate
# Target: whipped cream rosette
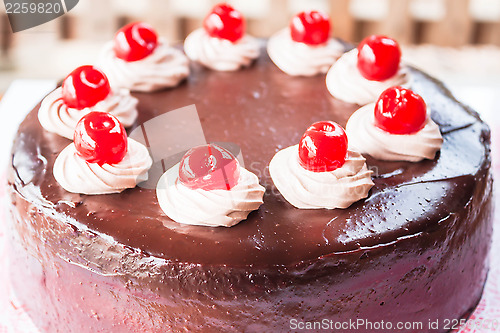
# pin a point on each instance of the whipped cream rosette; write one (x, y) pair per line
(84, 90)
(209, 188)
(101, 159)
(396, 128)
(222, 43)
(305, 47)
(321, 172)
(362, 74)
(140, 61)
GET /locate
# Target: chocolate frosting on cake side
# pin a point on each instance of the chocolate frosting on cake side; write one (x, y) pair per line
(417, 218)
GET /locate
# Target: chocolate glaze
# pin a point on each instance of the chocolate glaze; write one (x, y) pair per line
(423, 232)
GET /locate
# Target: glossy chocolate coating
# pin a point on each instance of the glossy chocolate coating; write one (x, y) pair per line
(422, 226)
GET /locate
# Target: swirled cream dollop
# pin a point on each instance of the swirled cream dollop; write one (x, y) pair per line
(221, 54)
(366, 137)
(56, 117)
(345, 82)
(300, 59)
(166, 67)
(306, 189)
(76, 175)
(212, 208)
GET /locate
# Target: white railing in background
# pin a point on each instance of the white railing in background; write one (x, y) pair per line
(439, 22)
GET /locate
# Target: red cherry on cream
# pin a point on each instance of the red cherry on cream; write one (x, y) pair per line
(311, 28)
(225, 22)
(400, 111)
(135, 41)
(378, 57)
(209, 167)
(100, 138)
(323, 147)
(85, 87)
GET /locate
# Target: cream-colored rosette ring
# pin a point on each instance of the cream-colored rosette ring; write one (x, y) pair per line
(140, 61)
(321, 172)
(101, 159)
(396, 128)
(84, 90)
(209, 188)
(305, 47)
(362, 74)
(222, 43)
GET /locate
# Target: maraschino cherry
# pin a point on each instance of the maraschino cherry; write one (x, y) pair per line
(323, 147)
(400, 111)
(209, 167)
(100, 138)
(135, 41)
(311, 28)
(225, 22)
(85, 87)
(378, 57)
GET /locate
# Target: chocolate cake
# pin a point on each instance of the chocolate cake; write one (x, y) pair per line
(409, 254)
(415, 250)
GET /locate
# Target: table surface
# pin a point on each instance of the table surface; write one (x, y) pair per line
(23, 95)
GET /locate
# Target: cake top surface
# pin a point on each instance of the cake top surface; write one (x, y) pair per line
(263, 110)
